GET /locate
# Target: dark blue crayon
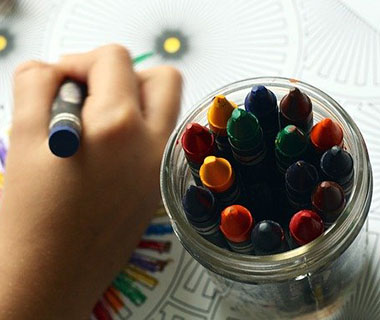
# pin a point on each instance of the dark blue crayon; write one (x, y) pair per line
(300, 180)
(202, 212)
(337, 165)
(268, 237)
(65, 124)
(263, 104)
(159, 229)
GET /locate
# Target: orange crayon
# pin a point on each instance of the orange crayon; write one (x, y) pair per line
(218, 176)
(326, 134)
(236, 224)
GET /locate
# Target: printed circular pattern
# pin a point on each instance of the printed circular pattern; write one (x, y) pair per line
(366, 115)
(209, 41)
(22, 29)
(341, 47)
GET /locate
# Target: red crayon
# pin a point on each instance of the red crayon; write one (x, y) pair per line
(236, 224)
(326, 134)
(197, 143)
(305, 226)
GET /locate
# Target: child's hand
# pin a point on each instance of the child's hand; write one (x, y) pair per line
(67, 226)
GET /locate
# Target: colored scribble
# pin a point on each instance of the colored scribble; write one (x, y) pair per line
(148, 263)
(141, 276)
(159, 229)
(155, 245)
(128, 288)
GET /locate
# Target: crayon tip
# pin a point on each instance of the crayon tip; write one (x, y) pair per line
(236, 223)
(243, 128)
(291, 141)
(305, 226)
(218, 114)
(199, 204)
(64, 141)
(296, 106)
(337, 163)
(216, 174)
(197, 142)
(336, 151)
(328, 198)
(301, 176)
(260, 101)
(267, 237)
(326, 134)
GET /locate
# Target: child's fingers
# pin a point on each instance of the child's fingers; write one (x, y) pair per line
(160, 95)
(109, 75)
(35, 87)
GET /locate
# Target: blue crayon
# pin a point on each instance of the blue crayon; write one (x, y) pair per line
(337, 165)
(268, 237)
(65, 124)
(300, 180)
(159, 229)
(263, 104)
(203, 214)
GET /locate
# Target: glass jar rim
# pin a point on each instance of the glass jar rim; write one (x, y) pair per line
(291, 264)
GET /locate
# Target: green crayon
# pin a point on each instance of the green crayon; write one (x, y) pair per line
(290, 146)
(246, 138)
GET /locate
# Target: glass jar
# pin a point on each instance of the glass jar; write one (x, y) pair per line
(310, 282)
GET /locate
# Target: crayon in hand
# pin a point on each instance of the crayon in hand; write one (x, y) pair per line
(203, 214)
(304, 227)
(328, 201)
(290, 145)
(236, 224)
(262, 103)
(65, 124)
(337, 165)
(217, 116)
(296, 109)
(219, 177)
(268, 238)
(300, 181)
(197, 143)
